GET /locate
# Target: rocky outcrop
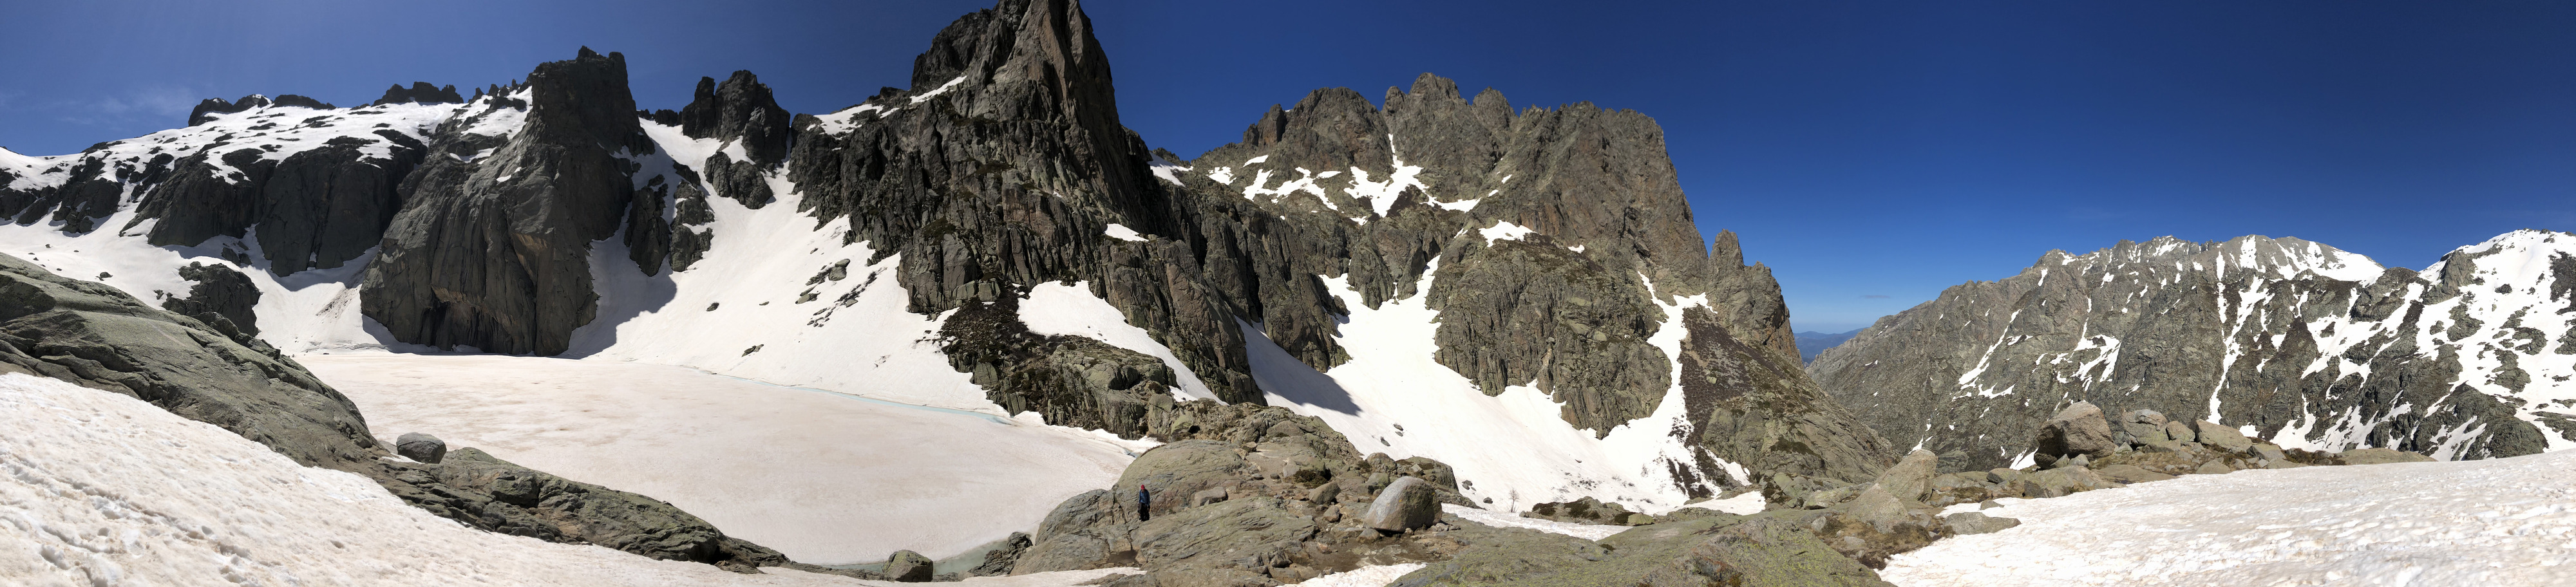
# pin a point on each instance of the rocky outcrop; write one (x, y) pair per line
(740, 111)
(1297, 503)
(485, 492)
(419, 93)
(221, 297)
(492, 251)
(2287, 341)
(97, 336)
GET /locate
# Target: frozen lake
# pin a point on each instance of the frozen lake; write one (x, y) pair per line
(824, 478)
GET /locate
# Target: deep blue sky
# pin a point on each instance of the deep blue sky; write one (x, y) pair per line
(1872, 153)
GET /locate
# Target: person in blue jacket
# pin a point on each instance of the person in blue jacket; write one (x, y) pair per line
(1144, 505)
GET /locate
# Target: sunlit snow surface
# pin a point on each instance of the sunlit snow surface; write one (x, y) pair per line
(107, 490)
(822, 477)
(2499, 522)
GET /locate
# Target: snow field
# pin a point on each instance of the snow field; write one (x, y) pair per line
(737, 311)
(1069, 308)
(107, 490)
(822, 477)
(1368, 576)
(2498, 522)
(1515, 449)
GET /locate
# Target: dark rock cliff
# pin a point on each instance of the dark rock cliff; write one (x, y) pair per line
(2285, 338)
(493, 252)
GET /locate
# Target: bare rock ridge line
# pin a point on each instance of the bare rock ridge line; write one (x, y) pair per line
(2293, 342)
(1552, 242)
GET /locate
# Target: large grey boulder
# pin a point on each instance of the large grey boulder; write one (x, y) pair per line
(421, 447)
(1875, 525)
(1406, 504)
(906, 566)
(1965, 523)
(2077, 430)
(1911, 478)
(2376, 456)
(2221, 436)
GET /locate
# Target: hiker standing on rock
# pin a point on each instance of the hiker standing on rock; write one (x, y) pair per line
(1144, 505)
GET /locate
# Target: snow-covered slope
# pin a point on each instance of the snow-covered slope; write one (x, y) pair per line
(107, 490)
(1512, 450)
(2293, 342)
(2498, 523)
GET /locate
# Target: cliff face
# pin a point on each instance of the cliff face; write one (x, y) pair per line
(2289, 340)
(492, 248)
(1538, 271)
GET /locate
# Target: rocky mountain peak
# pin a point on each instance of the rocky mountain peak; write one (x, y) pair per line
(583, 99)
(742, 110)
(419, 93)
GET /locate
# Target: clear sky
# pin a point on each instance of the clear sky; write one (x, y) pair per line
(1871, 153)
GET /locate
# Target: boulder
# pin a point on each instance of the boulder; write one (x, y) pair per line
(2060, 482)
(1250, 534)
(1586, 510)
(1954, 488)
(2180, 432)
(1000, 560)
(2147, 417)
(1875, 525)
(2078, 429)
(2214, 468)
(421, 447)
(908, 567)
(1965, 523)
(1406, 504)
(2140, 433)
(2127, 473)
(2376, 456)
(1911, 478)
(2221, 436)
(1763, 552)
(1207, 497)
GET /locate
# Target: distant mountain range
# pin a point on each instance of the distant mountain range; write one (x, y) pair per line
(2291, 341)
(1810, 343)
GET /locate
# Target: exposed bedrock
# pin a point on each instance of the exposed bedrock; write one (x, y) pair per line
(1001, 169)
(220, 296)
(493, 252)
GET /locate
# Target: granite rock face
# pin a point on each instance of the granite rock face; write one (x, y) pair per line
(221, 297)
(2303, 345)
(493, 252)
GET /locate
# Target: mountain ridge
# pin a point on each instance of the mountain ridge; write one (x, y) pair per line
(2293, 341)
